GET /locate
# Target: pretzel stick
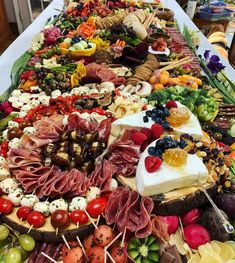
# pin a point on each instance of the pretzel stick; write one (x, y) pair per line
(176, 65)
(146, 20)
(151, 20)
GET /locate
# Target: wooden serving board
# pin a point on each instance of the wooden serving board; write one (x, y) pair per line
(176, 201)
(47, 232)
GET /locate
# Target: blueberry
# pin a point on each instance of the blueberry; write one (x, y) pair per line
(159, 143)
(151, 150)
(167, 139)
(148, 113)
(166, 125)
(158, 120)
(158, 153)
(166, 112)
(145, 119)
(159, 107)
(182, 143)
(175, 144)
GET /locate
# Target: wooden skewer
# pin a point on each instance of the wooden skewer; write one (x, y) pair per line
(98, 220)
(174, 62)
(30, 229)
(110, 257)
(92, 221)
(81, 245)
(123, 238)
(181, 228)
(77, 225)
(66, 242)
(114, 240)
(51, 259)
(105, 255)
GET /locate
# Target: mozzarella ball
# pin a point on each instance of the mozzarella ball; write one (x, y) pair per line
(4, 134)
(42, 207)
(8, 185)
(78, 203)
(34, 103)
(25, 108)
(22, 114)
(92, 193)
(55, 93)
(59, 204)
(29, 200)
(97, 117)
(114, 184)
(13, 124)
(16, 196)
(14, 143)
(29, 130)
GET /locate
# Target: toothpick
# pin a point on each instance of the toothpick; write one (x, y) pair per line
(77, 225)
(181, 228)
(51, 259)
(110, 257)
(56, 231)
(105, 254)
(81, 245)
(66, 242)
(92, 221)
(98, 219)
(114, 240)
(123, 238)
(30, 229)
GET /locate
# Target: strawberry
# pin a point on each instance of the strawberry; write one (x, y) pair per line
(147, 132)
(171, 104)
(157, 130)
(152, 163)
(138, 138)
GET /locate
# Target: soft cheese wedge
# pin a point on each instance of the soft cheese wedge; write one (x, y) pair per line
(192, 126)
(167, 177)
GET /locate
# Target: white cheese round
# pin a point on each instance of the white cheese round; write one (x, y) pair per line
(45, 100)
(8, 185)
(42, 207)
(13, 124)
(13, 99)
(59, 204)
(78, 203)
(55, 93)
(92, 193)
(16, 196)
(16, 93)
(14, 143)
(26, 107)
(29, 130)
(24, 97)
(34, 103)
(29, 200)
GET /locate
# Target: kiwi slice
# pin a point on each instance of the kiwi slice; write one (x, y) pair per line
(143, 250)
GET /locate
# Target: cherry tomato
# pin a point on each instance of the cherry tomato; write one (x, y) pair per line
(60, 219)
(6, 206)
(96, 206)
(18, 119)
(106, 195)
(99, 111)
(79, 216)
(23, 212)
(4, 149)
(35, 219)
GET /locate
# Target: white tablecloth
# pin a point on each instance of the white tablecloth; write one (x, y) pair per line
(23, 42)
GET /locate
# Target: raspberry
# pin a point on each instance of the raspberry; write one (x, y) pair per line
(138, 138)
(152, 163)
(157, 130)
(171, 104)
(147, 132)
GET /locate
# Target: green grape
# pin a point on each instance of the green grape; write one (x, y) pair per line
(27, 242)
(4, 232)
(13, 256)
(24, 253)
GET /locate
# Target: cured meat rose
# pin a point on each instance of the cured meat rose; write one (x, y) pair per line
(48, 130)
(104, 73)
(125, 156)
(128, 210)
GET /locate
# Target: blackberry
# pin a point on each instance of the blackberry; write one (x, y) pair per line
(145, 119)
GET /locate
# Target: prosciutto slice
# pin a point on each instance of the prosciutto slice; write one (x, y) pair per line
(128, 210)
(104, 73)
(48, 130)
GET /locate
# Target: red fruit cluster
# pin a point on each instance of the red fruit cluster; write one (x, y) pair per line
(171, 104)
(152, 163)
